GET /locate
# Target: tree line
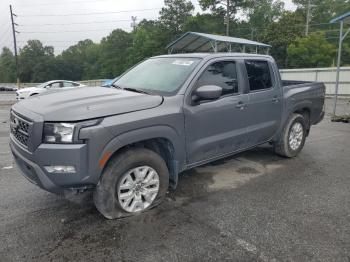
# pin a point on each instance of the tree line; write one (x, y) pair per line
(265, 21)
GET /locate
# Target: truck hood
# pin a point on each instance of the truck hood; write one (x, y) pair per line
(87, 103)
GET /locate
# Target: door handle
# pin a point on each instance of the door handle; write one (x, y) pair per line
(275, 99)
(240, 105)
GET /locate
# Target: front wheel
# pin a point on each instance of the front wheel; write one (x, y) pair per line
(293, 137)
(132, 182)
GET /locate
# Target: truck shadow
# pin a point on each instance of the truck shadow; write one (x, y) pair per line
(225, 174)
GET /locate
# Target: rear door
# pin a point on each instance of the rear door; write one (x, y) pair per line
(265, 101)
(215, 128)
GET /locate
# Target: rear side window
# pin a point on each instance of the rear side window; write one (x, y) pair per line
(68, 84)
(221, 74)
(258, 74)
(56, 85)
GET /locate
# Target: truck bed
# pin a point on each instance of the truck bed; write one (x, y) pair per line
(294, 82)
(309, 93)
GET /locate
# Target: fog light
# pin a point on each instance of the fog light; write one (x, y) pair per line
(60, 169)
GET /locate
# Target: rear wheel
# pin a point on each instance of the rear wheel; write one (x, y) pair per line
(132, 182)
(293, 137)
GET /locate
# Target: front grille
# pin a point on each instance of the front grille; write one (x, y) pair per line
(20, 129)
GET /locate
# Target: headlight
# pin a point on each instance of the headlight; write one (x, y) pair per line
(58, 132)
(65, 133)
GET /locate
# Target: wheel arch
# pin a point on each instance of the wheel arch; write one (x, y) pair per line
(161, 139)
(306, 113)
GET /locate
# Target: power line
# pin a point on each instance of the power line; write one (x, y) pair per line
(107, 29)
(84, 23)
(93, 13)
(53, 41)
(67, 31)
(6, 41)
(8, 29)
(291, 26)
(65, 3)
(3, 25)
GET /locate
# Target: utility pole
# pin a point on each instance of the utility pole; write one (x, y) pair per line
(307, 17)
(15, 42)
(252, 31)
(227, 17)
(133, 23)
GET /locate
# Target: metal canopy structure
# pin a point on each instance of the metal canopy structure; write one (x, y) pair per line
(200, 42)
(343, 19)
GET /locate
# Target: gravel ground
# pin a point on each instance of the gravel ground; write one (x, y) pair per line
(254, 206)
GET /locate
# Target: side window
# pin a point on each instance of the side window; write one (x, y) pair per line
(56, 85)
(258, 74)
(68, 84)
(222, 74)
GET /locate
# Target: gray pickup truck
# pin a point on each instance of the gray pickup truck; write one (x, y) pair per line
(165, 115)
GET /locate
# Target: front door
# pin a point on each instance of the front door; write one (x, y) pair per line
(215, 128)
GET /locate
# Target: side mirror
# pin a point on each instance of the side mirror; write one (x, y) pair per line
(208, 92)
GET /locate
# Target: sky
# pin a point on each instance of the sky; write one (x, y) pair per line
(61, 23)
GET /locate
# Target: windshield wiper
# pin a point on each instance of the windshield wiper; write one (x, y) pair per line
(116, 86)
(135, 90)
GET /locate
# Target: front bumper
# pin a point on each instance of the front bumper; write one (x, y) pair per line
(32, 166)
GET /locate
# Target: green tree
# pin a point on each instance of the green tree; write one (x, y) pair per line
(113, 58)
(226, 9)
(7, 66)
(80, 60)
(46, 70)
(220, 7)
(174, 15)
(322, 11)
(311, 51)
(205, 23)
(281, 33)
(149, 39)
(264, 12)
(30, 56)
(346, 54)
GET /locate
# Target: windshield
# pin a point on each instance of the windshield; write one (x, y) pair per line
(158, 75)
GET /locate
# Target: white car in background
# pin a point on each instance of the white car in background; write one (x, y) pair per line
(54, 85)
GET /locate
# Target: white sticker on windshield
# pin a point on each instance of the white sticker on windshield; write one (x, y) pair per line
(183, 62)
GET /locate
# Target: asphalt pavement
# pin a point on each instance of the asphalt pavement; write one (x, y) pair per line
(254, 206)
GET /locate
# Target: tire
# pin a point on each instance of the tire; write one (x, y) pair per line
(34, 94)
(285, 147)
(120, 172)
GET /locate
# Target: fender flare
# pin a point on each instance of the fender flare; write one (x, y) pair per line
(146, 133)
(298, 106)
(289, 110)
